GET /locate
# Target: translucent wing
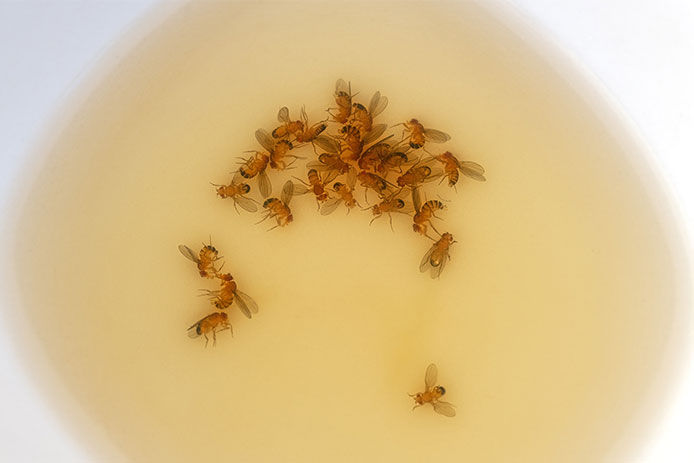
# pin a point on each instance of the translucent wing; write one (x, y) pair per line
(444, 408)
(430, 376)
(247, 204)
(342, 86)
(193, 331)
(327, 143)
(300, 189)
(283, 114)
(264, 184)
(426, 260)
(351, 177)
(436, 136)
(247, 301)
(188, 253)
(304, 116)
(472, 170)
(378, 104)
(375, 132)
(330, 177)
(330, 206)
(436, 270)
(287, 192)
(265, 139)
(416, 199)
(319, 166)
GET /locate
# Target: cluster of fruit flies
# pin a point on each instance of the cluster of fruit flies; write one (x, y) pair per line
(354, 153)
(228, 293)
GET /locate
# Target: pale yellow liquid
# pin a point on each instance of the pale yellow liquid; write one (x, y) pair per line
(549, 325)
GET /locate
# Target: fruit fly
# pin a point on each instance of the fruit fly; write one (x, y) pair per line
(362, 118)
(437, 256)
(432, 394)
(451, 166)
(343, 100)
(228, 293)
(205, 259)
(288, 127)
(213, 323)
(351, 144)
(309, 132)
(419, 134)
(373, 182)
(424, 213)
(278, 149)
(279, 208)
(330, 162)
(388, 205)
(237, 192)
(415, 176)
(345, 194)
(315, 185)
(256, 166)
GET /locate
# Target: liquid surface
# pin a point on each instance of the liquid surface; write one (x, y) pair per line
(548, 326)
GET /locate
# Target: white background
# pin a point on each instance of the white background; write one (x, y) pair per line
(640, 52)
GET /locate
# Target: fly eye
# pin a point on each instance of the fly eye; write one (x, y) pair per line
(442, 390)
(401, 203)
(246, 188)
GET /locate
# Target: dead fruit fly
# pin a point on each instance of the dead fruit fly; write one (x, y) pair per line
(437, 256)
(329, 162)
(279, 208)
(309, 132)
(432, 394)
(316, 185)
(416, 175)
(278, 150)
(256, 166)
(419, 135)
(373, 182)
(213, 323)
(362, 118)
(228, 293)
(451, 166)
(288, 127)
(345, 194)
(343, 100)
(205, 259)
(388, 205)
(237, 192)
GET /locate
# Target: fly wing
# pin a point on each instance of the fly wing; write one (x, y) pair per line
(436, 271)
(188, 253)
(265, 139)
(283, 114)
(342, 86)
(327, 143)
(264, 184)
(193, 331)
(247, 204)
(247, 300)
(378, 104)
(416, 199)
(330, 206)
(351, 177)
(436, 136)
(375, 132)
(430, 376)
(300, 189)
(444, 408)
(472, 170)
(426, 260)
(287, 192)
(304, 117)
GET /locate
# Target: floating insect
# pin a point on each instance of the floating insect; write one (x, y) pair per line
(288, 127)
(451, 166)
(256, 166)
(362, 118)
(345, 194)
(237, 192)
(437, 256)
(343, 100)
(419, 135)
(309, 132)
(315, 185)
(279, 208)
(213, 323)
(205, 259)
(278, 150)
(432, 394)
(228, 293)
